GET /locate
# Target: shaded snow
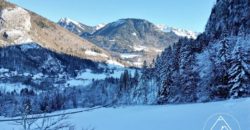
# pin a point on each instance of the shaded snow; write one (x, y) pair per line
(165, 117)
(9, 87)
(77, 82)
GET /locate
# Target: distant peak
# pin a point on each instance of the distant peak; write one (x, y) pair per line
(118, 22)
(100, 26)
(64, 19)
(133, 19)
(68, 21)
(177, 31)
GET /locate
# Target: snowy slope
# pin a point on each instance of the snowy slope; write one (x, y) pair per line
(86, 77)
(77, 27)
(21, 26)
(178, 31)
(100, 26)
(68, 21)
(167, 117)
(130, 35)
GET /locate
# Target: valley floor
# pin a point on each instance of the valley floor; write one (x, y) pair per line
(166, 117)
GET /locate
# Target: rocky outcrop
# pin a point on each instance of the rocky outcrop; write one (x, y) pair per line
(15, 25)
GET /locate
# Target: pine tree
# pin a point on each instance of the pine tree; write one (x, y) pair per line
(174, 87)
(189, 77)
(224, 55)
(220, 77)
(144, 67)
(124, 81)
(165, 72)
(136, 77)
(238, 73)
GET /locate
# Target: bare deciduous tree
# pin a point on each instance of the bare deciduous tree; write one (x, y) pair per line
(44, 122)
(41, 121)
(53, 123)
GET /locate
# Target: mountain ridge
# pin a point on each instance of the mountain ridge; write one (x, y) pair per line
(19, 26)
(141, 38)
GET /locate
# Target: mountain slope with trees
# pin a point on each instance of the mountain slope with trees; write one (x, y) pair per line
(213, 67)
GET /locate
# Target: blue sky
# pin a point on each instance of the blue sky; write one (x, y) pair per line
(187, 14)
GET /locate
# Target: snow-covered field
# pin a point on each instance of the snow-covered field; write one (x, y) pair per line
(85, 78)
(166, 117)
(8, 87)
(129, 56)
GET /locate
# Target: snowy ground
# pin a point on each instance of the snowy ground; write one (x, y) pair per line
(7, 87)
(85, 78)
(129, 56)
(167, 117)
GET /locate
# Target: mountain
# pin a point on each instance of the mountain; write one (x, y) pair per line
(18, 25)
(123, 35)
(76, 27)
(134, 40)
(36, 52)
(99, 26)
(177, 31)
